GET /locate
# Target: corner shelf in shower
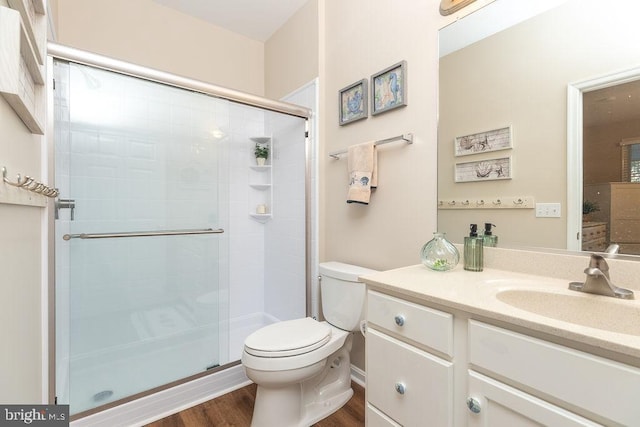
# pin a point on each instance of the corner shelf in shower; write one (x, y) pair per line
(260, 217)
(260, 183)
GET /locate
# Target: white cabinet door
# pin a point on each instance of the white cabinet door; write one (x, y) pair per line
(375, 418)
(591, 383)
(411, 386)
(494, 404)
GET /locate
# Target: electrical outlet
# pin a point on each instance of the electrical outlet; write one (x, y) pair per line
(548, 210)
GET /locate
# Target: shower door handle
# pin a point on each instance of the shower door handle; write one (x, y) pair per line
(65, 204)
(143, 234)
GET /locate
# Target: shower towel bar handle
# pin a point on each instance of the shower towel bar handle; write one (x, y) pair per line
(142, 234)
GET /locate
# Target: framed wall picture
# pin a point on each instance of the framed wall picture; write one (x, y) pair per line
(483, 142)
(389, 88)
(353, 102)
(484, 170)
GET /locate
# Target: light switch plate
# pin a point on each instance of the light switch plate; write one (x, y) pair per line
(548, 210)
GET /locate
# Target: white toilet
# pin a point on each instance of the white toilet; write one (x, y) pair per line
(302, 366)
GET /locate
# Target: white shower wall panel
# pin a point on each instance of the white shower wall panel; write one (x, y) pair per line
(246, 236)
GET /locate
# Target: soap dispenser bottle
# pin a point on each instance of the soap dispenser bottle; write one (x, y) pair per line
(489, 239)
(473, 256)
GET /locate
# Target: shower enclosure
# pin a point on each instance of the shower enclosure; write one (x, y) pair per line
(163, 265)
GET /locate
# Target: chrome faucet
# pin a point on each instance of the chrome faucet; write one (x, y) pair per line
(612, 249)
(598, 280)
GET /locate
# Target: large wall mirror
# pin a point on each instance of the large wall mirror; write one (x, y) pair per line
(515, 81)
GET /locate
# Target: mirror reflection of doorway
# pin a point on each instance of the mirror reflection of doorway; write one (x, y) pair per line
(611, 168)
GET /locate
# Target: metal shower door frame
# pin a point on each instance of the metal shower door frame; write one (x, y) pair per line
(58, 51)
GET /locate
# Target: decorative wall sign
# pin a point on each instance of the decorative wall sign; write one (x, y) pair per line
(484, 170)
(389, 88)
(353, 102)
(484, 142)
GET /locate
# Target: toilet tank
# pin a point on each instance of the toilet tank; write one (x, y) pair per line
(342, 294)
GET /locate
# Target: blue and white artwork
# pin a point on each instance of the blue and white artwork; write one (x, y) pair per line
(389, 88)
(353, 102)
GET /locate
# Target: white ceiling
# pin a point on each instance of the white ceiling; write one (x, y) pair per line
(256, 19)
(614, 104)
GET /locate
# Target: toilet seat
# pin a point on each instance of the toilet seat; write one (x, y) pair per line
(288, 338)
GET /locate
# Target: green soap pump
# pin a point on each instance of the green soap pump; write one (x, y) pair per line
(489, 239)
(473, 254)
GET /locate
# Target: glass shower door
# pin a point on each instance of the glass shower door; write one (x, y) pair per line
(138, 234)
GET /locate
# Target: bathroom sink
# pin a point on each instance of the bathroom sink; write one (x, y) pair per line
(593, 311)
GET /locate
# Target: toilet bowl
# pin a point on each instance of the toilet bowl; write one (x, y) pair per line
(302, 367)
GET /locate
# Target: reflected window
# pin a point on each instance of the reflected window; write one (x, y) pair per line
(631, 160)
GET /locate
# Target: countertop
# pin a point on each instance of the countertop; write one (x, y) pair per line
(476, 293)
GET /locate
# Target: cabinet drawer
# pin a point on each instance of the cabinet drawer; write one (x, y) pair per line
(412, 387)
(431, 328)
(599, 385)
(375, 418)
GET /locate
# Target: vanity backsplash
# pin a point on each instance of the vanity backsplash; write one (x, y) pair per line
(560, 265)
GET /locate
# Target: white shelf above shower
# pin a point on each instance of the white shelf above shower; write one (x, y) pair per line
(260, 184)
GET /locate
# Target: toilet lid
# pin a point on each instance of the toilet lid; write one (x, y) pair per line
(288, 338)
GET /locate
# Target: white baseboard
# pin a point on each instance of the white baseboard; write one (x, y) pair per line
(167, 402)
(358, 376)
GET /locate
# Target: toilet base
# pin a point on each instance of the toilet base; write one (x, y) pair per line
(319, 411)
(304, 403)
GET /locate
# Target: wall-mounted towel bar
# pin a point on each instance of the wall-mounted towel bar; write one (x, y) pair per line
(142, 234)
(407, 137)
(30, 184)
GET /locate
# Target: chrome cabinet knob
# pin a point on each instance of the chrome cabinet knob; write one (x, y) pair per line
(400, 388)
(399, 319)
(473, 405)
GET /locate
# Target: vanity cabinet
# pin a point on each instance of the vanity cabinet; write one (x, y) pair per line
(408, 348)
(489, 376)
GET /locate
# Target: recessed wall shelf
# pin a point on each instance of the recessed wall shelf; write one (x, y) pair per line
(35, 24)
(22, 73)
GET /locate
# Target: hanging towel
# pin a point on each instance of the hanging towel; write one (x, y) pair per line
(363, 175)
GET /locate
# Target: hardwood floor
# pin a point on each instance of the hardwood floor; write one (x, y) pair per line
(235, 409)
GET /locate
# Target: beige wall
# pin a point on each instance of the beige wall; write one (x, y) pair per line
(291, 54)
(519, 77)
(21, 316)
(146, 33)
(361, 38)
